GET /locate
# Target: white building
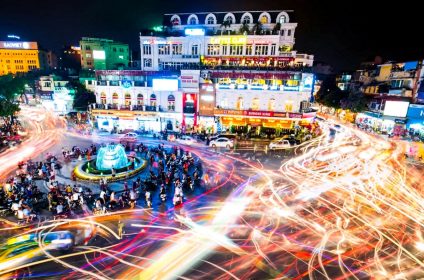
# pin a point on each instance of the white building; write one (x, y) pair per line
(55, 94)
(248, 39)
(134, 100)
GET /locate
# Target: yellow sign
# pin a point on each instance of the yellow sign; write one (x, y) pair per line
(233, 40)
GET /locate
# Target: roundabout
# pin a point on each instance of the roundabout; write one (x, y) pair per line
(111, 163)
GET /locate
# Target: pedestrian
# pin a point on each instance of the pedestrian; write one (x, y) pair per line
(120, 229)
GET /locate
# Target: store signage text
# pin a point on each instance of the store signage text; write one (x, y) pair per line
(249, 113)
(16, 45)
(236, 40)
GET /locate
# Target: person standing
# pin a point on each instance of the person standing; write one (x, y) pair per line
(120, 229)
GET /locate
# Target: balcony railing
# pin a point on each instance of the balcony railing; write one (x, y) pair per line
(146, 108)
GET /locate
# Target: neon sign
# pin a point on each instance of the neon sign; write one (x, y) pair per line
(237, 40)
(194, 32)
(16, 45)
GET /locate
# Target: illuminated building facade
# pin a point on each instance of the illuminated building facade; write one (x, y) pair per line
(103, 54)
(18, 57)
(233, 40)
(140, 100)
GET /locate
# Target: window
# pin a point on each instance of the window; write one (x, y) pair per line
(89, 63)
(192, 21)
(236, 49)
(195, 49)
(229, 19)
(273, 47)
(396, 83)
(115, 98)
(224, 50)
(210, 20)
(224, 103)
(264, 19)
(88, 55)
(289, 106)
(147, 49)
(87, 48)
(114, 49)
(164, 49)
(271, 104)
(289, 32)
(127, 99)
(240, 104)
(121, 50)
(103, 98)
(153, 101)
(171, 102)
(282, 32)
(261, 49)
(246, 20)
(255, 104)
(282, 19)
(249, 49)
(213, 49)
(140, 99)
(147, 62)
(177, 49)
(175, 20)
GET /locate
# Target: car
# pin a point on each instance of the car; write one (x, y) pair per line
(186, 140)
(279, 145)
(222, 143)
(228, 136)
(129, 137)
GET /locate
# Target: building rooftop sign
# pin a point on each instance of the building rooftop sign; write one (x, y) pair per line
(18, 45)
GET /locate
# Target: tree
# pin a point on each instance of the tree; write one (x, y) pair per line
(10, 88)
(257, 28)
(330, 94)
(277, 28)
(244, 29)
(356, 101)
(83, 97)
(226, 24)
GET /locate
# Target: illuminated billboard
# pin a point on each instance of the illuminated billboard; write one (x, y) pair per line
(99, 54)
(18, 45)
(165, 84)
(194, 32)
(396, 108)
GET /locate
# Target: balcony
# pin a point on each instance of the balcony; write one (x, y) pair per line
(150, 108)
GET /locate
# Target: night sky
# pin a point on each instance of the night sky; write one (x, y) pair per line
(341, 33)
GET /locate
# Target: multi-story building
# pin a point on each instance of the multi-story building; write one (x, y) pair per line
(233, 40)
(55, 94)
(18, 57)
(140, 100)
(48, 60)
(70, 59)
(391, 87)
(103, 54)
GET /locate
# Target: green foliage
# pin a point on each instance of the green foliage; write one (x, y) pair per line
(356, 101)
(330, 94)
(244, 28)
(276, 28)
(83, 97)
(11, 87)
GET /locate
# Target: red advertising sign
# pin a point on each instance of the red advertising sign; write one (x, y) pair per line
(250, 113)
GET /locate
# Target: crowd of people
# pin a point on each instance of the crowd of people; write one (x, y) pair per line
(10, 134)
(35, 188)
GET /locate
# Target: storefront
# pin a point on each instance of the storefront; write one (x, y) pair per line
(170, 121)
(381, 124)
(415, 123)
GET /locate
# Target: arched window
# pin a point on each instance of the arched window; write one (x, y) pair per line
(210, 20)
(127, 99)
(140, 99)
(265, 18)
(175, 20)
(171, 102)
(282, 19)
(192, 20)
(240, 104)
(247, 18)
(153, 100)
(271, 104)
(103, 98)
(255, 104)
(230, 18)
(115, 98)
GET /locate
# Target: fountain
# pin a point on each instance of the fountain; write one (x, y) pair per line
(111, 156)
(108, 157)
